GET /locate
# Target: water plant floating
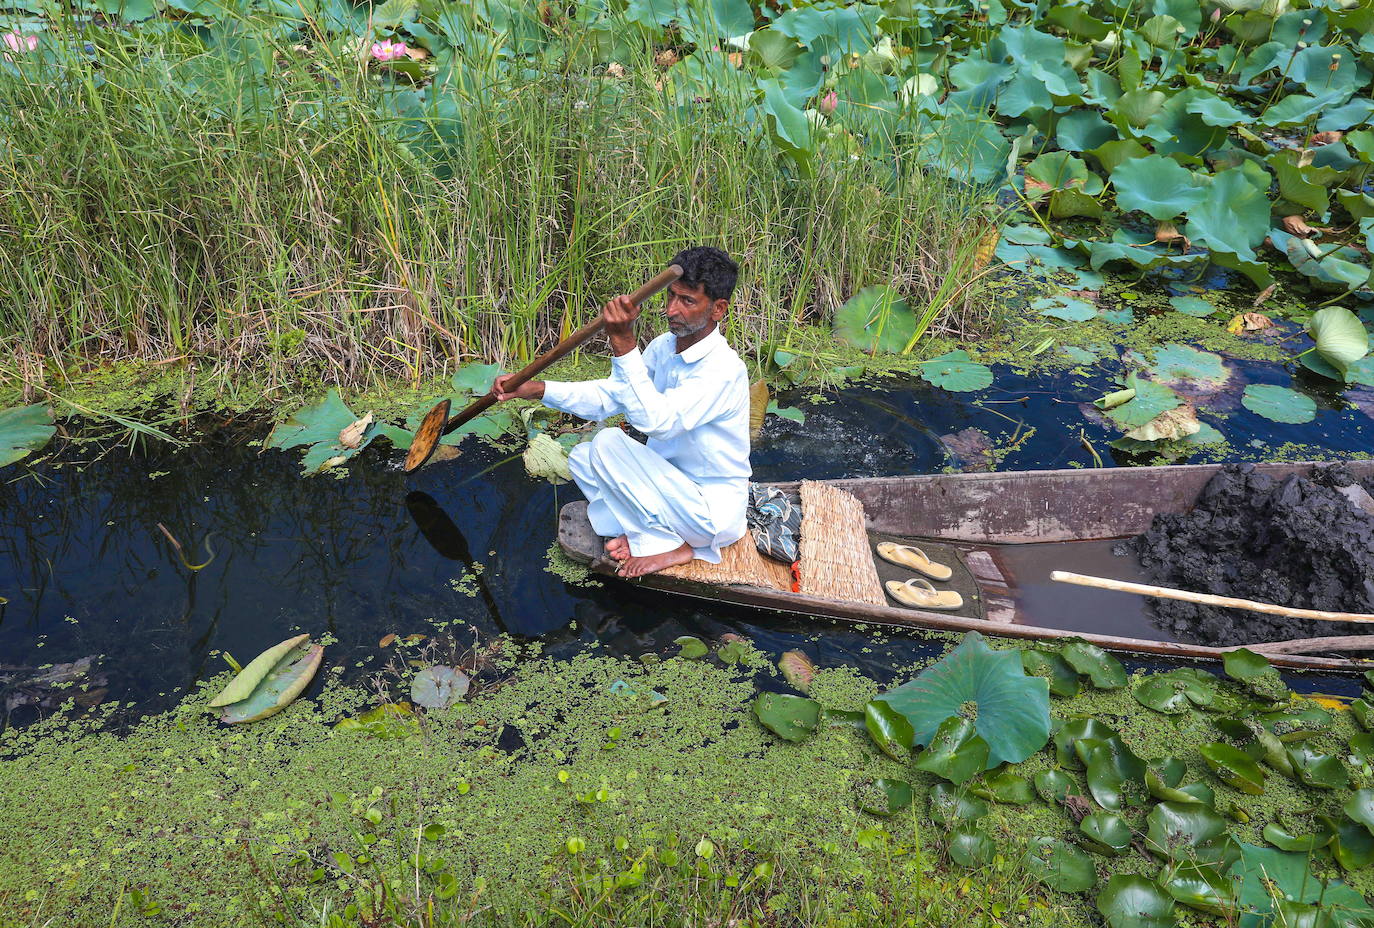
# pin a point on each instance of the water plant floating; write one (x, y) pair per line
(270, 682)
(24, 430)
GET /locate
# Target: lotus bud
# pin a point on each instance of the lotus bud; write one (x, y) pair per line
(829, 103)
(17, 42)
(1216, 15)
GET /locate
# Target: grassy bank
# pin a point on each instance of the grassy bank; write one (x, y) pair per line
(249, 198)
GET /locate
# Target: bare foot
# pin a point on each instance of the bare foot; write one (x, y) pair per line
(618, 549)
(649, 563)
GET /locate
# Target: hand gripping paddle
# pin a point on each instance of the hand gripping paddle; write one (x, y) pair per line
(437, 423)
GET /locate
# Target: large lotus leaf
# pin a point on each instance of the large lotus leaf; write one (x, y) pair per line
(1201, 887)
(439, 687)
(1340, 336)
(1062, 678)
(1059, 170)
(475, 379)
(1059, 865)
(1233, 767)
(251, 676)
(1082, 129)
(968, 146)
(1176, 691)
(1105, 833)
(1233, 216)
(792, 718)
(1065, 307)
(955, 371)
(1278, 403)
(278, 687)
(884, 797)
(969, 847)
(1337, 271)
(1067, 736)
(1265, 873)
(956, 752)
(24, 430)
(875, 319)
(844, 29)
(889, 729)
(1180, 363)
(1320, 771)
(1133, 901)
(1010, 710)
(1185, 832)
(1054, 785)
(1116, 776)
(1105, 671)
(950, 805)
(1156, 185)
(1285, 840)
(319, 426)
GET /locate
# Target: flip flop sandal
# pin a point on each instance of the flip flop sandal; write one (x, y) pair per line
(915, 558)
(921, 594)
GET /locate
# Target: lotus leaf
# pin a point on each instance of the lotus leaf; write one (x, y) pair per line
(1233, 767)
(1264, 874)
(1053, 786)
(950, 805)
(876, 319)
(1068, 734)
(1059, 865)
(884, 797)
(1352, 844)
(319, 426)
(1188, 831)
(23, 430)
(1285, 840)
(1005, 786)
(1233, 215)
(1180, 363)
(792, 718)
(889, 729)
(1115, 398)
(956, 752)
(1063, 679)
(1320, 771)
(1150, 401)
(1155, 184)
(1278, 403)
(1133, 901)
(1201, 887)
(969, 847)
(1178, 423)
(1105, 671)
(797, 669)
(1116, 776)
(1361, 747)
(1067, 308)
(1245, 665)
(546, 459)
(1059, 170)
(439, 687)
(272, 681)
(475, 379)
(1340, 336)
(691, 647)
(1012, 709)
(1192, 306)
(1176, 691)
(954, 371)
(1106, 833)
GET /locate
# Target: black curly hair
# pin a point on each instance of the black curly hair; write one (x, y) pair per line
(709, 268)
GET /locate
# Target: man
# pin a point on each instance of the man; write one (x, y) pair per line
(684, 494)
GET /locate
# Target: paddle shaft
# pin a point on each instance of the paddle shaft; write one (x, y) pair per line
(559, 351)
(1207, 599)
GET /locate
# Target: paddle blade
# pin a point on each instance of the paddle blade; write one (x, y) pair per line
(426, 437)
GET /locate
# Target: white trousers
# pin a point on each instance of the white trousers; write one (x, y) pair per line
(633, 491)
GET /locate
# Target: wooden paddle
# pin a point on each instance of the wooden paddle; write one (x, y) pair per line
(437, 423)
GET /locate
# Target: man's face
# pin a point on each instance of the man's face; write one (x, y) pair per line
(690, 310)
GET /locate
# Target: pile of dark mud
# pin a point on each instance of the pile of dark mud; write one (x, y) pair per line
(1304, 542)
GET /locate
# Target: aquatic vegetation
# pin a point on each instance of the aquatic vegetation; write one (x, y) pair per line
(270, 682)
(1279, 403)
(23, 431)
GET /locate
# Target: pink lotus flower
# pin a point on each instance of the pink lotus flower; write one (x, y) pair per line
(828, 103)
(388, 51)
(20, 43)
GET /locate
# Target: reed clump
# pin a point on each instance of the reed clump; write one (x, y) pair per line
(245, 200)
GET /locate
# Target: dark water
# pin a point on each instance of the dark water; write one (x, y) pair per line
(87, 571)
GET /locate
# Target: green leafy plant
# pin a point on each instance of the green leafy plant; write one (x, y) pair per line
(270, 682)
(24, 430)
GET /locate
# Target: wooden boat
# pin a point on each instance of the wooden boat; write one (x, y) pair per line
(979, 520)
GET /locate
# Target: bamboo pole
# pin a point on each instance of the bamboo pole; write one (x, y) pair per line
(1122, 586)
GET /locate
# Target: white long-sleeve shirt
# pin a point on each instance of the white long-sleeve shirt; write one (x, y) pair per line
(693, 407)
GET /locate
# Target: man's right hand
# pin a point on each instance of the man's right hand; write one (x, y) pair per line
(529, 390)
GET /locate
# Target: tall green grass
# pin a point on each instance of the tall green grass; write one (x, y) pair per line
(252, 197)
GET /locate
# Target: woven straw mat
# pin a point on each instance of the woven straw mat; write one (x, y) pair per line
(741, 562)
(836, 562)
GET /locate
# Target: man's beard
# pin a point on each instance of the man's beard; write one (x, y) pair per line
(681, 329)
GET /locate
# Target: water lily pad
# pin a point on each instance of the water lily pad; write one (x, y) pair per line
(1105, 671)
(1062, 678)
(1351, 843)
(270, 682)
(1285, 840)
(1189, 831)
(1254, 671)
(1172, 789)
(1320, 771)
(969, 847)
(1065, 307)
(439, 687)
(884, 797)
(889, 729)
(1363, 713)
(956, 752)
(691, 647)
(954, 371)
(1011, 710)
(1192, 306)
(1233, 767)
(1067, 736)
(1265, 874)
(1150, 400)
(391, 720)
(797, 669)
(792, 718)
(23, 430)
(1176, 691)
(318, 426)
(1115, 774)
(876, 319)
(950, 805)
(1360, 808)
(1278, 403)
(1053, 786)
(1182, 364)
(1106, 833)
(1201, 887)
(1133, 901)
(1007, 787)
(1059, 865)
